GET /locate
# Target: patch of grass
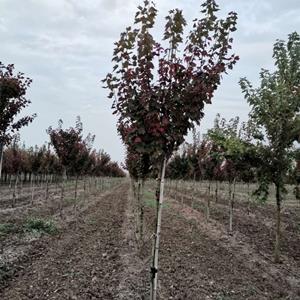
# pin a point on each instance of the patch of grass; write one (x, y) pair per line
(7, 228)
(148, 195)
(38, 226)
(150, 203)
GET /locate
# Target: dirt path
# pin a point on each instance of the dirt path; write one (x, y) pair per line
(199, 261)
(283, 276)
(256, 227)
(84, 262)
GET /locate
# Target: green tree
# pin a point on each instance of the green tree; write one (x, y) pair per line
(231, 146)
(275, 108)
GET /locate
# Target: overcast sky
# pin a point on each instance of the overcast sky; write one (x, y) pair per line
(66, 46)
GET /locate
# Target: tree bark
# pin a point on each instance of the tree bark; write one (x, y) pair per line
(248, 200)
(1, 157)
(47, 187)
(141, 209)
(76, 188)
(62, 194)
(231, 204)
(208, 202)
(154, 268)
(216, 191)
(15, 192)
(32, 188)
(278, 225)
(193, 190)
(84, 188)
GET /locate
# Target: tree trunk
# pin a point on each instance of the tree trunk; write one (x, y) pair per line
(248, 198)
(208, 202)
(84, 187)
(141, 209)
(1, 157)
(62, 194)
(76, 188)
(216, 191)
(20, 187)
(231, 204)
(132, 187)
(193, 190)
(278, 225)
(47, 188)
(154, 268)
(176, 186)
(15, 192)
(32, 188)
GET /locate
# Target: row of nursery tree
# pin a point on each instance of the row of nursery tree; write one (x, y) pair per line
(68, 152)
(159, 90)
(228, 152)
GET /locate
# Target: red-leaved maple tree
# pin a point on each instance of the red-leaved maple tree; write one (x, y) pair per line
(13, 99)
(160, 89)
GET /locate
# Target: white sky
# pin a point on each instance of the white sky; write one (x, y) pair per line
(66, 47)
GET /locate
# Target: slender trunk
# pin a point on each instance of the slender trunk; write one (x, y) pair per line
(76, 188)
(248, 198)
(133, 188)
(95, 183)
(180, 188)
(62, 194)
(15, 192)
(32, 189)
(154, 268)
(138, 210)
(278, 225)
(10, 184)
(142, 211)
(134, 205)
(208, 202)
(75, 200)
(20, 187)
(84, 187)
(1, 157)
(193, 190)
(56, 184)
(231, 204)
(47, 188)
(216, 191)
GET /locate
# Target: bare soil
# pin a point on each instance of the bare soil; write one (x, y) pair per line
(96, 256)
